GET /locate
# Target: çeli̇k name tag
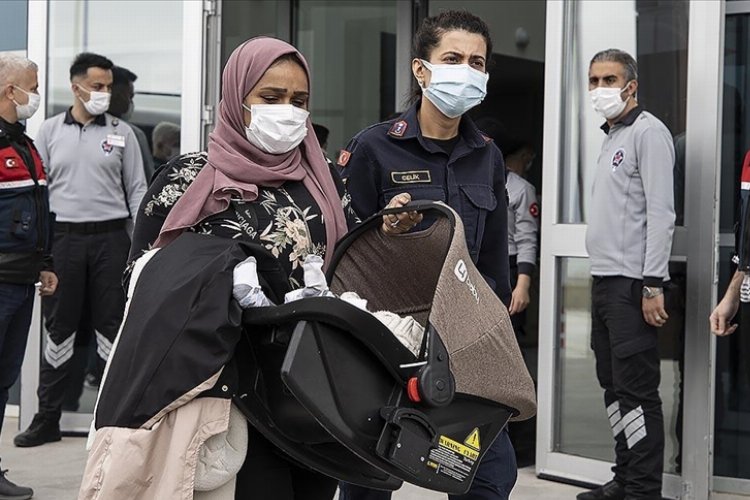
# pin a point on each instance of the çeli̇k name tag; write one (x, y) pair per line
(411, 177)
(116, 140)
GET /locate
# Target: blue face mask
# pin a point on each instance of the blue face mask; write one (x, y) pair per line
(455, 88)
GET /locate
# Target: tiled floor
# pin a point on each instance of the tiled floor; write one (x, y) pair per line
(54, 471)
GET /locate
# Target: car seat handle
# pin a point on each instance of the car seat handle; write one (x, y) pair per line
(420, 206)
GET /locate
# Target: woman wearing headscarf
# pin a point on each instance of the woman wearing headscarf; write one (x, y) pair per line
(265, 181)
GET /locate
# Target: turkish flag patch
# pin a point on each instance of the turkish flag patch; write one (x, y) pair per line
(11, 163)
(534, 209)
(344, 156)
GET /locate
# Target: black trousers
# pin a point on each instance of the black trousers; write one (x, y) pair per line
(268, 475)
(628, 369)
(87, 265)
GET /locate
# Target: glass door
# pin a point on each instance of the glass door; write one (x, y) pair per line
(156, 41)
(731, 459)
(675, 84)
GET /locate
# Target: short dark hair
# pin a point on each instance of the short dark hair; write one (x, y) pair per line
(321, 132)
(433, 28)
(122, 75)
(618, 56)
(86, 60)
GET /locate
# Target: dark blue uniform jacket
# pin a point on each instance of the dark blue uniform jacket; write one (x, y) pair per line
(25, 219)
(393, 157)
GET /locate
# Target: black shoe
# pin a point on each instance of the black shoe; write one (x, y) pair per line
(608, 491)
(11, 491)
(91, 381)
(42, 430)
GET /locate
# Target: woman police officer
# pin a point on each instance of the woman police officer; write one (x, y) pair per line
(434, 152)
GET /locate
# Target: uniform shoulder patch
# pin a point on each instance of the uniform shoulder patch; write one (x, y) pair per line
(534, 209)
(344, 156)
(398, 129)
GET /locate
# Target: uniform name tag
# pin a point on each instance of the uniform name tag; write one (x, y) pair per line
(411, 177)
(116, 140)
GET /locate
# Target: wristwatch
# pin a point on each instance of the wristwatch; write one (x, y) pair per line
(652, 291)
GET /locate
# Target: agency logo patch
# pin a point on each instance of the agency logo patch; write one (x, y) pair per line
(411, 177)
(107, 148)
(618, 158)
(398, 129)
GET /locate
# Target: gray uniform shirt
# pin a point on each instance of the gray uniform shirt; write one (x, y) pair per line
(631, 220)
(523, 221)
(94, 171)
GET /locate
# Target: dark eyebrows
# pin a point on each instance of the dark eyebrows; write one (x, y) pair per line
(460, 55)
(274, 89)
(280, 90)
(594, 78)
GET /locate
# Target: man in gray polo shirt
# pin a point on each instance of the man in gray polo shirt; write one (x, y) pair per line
(629, 240)
(96, 182)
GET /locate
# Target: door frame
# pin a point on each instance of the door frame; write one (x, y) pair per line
(705, 75)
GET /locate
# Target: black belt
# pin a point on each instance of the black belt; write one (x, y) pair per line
(104, 226)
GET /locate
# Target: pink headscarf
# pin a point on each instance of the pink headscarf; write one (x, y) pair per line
(236, 167)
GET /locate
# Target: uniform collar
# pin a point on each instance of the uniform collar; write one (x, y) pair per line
(407, 127)
(14, 131)
(626, 120)
(100, 120)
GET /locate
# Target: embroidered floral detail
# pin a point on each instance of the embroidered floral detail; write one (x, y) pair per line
(183, 174)
(346, 204)
(289, 227)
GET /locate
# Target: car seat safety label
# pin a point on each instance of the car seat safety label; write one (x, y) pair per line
(472, 440)
(452, 459)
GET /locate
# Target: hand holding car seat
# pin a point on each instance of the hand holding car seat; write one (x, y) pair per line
(401, 222)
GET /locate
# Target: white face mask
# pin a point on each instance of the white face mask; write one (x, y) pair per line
(607, 101)
(98, 102)
(276, 128)
(26, 111)
(455, 88)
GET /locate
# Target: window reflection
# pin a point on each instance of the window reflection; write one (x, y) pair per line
(656, 34)
(351, 48)
(142, 36)
(13, 34)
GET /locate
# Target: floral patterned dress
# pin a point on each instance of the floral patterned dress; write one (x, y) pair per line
(285, 220)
